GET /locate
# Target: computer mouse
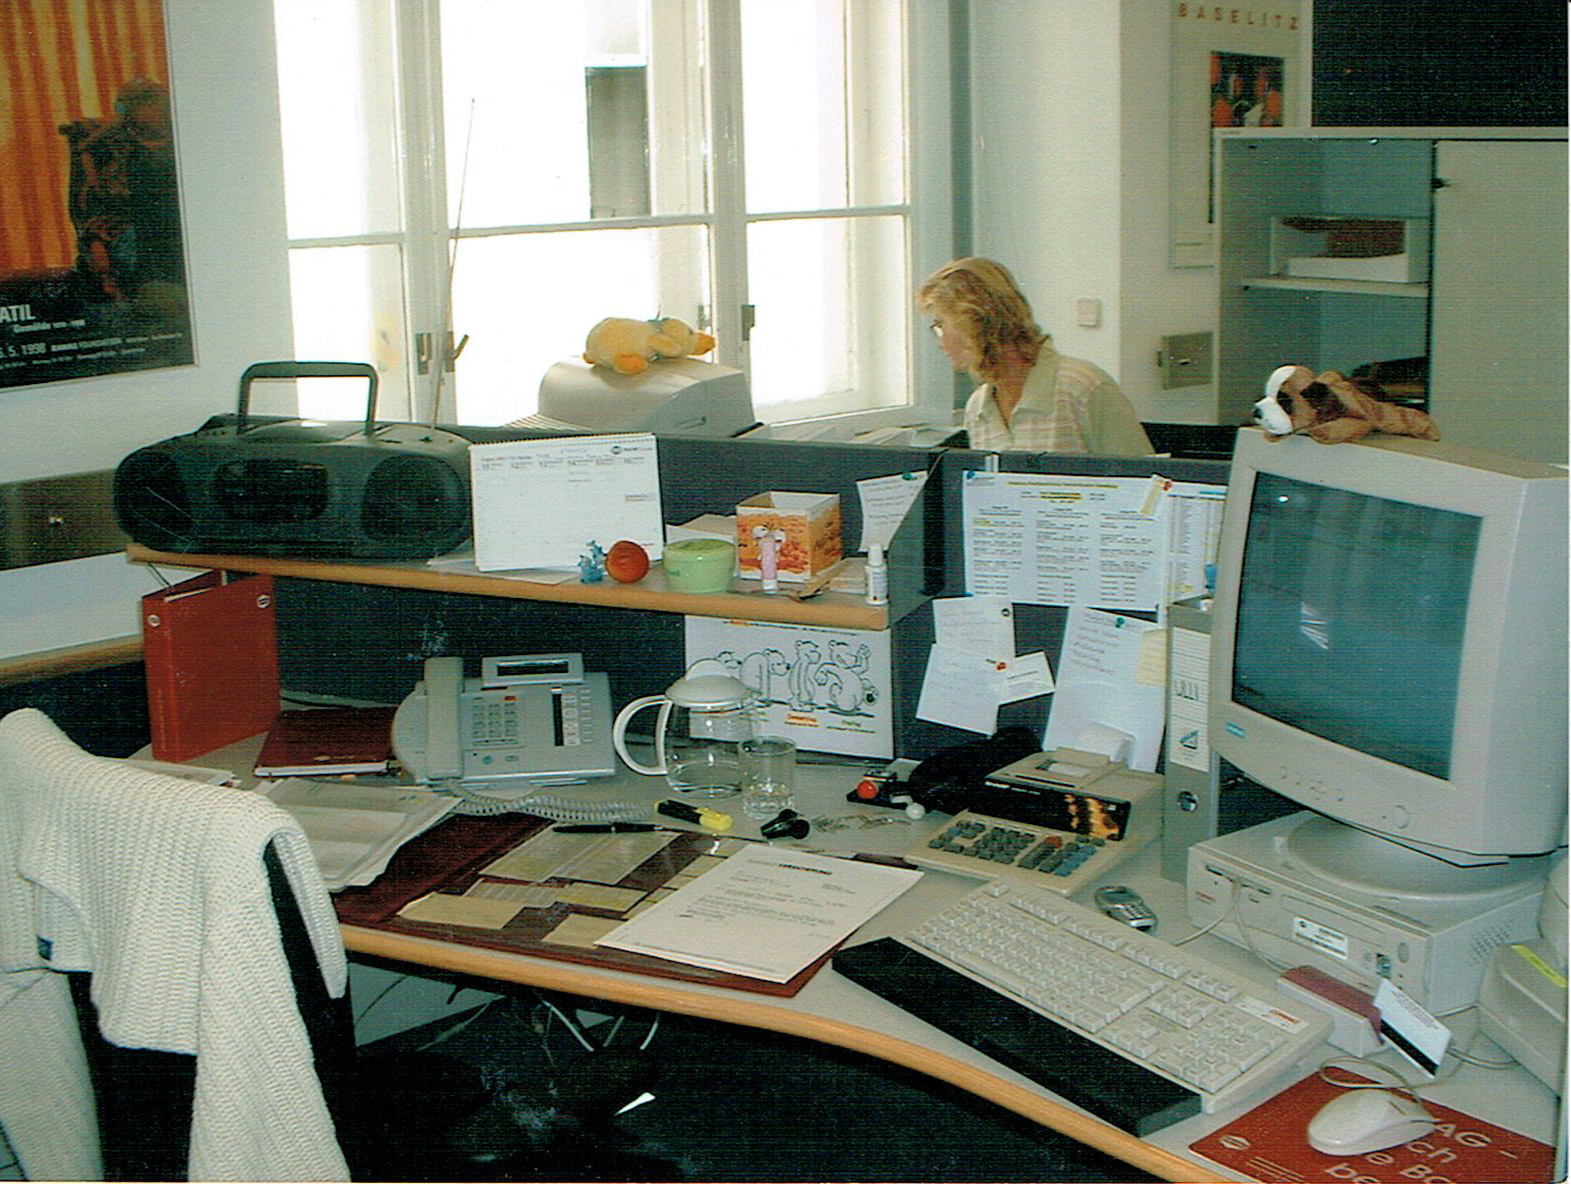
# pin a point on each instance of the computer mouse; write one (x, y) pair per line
(1364, 1120)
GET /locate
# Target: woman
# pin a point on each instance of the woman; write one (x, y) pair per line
(1032, 397)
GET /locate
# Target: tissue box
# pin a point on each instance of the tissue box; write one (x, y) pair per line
(811, 522)
(1391, 250)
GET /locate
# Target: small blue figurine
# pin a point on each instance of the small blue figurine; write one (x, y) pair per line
(591, 565)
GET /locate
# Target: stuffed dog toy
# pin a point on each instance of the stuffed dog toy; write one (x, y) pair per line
(1333, 409)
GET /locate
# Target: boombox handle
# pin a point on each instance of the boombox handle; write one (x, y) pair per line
(308, 370)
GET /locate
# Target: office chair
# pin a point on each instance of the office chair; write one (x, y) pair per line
(187, 929)
(174, 1002)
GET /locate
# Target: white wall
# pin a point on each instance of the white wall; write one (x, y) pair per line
(223, 75)
(1071, 181)
(1155, 299)
(1045, 155)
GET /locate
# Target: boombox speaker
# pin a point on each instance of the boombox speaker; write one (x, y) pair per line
(270, 486)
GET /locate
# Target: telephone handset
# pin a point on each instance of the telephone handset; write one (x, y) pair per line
(444, 683)
(528, 720)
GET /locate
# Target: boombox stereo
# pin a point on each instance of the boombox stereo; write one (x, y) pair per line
(269, 486)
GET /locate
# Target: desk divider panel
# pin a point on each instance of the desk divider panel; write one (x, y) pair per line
(362, 642)
(1037, 627)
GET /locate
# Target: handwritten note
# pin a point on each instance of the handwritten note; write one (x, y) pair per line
(981, 624)
(885, 502)
(961, 689)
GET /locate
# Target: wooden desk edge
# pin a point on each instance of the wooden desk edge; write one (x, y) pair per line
(72, 659)
(760, 1012)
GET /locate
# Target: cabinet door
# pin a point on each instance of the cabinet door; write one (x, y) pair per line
(1498, 290)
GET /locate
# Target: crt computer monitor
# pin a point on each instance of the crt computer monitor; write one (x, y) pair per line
(1389, 640)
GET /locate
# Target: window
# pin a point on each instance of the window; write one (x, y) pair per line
(745, 165)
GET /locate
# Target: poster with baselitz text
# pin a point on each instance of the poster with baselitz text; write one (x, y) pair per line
(92, 254)
(1233, 67)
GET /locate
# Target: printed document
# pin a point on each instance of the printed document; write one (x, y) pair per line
(540, 503)
(1065, 540)
(828, 689)
(765, 912)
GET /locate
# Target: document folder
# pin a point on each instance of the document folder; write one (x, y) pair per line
(210, 645)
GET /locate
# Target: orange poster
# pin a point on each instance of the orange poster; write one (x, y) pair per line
(92, 257)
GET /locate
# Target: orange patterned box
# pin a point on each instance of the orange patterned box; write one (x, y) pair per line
(807, 526)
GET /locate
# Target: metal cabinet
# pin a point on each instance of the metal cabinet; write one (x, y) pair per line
(1480, 319)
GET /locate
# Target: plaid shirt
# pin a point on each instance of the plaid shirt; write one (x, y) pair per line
(1068, 406)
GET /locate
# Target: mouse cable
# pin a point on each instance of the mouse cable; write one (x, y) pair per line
(1394, 1080)
(1222, 916)
(1459, 1057)
(1231, 912)
(1467, 1058)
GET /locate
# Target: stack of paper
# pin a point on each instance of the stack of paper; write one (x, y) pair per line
(355, 830)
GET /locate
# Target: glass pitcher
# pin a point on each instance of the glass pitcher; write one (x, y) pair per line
(701, 720)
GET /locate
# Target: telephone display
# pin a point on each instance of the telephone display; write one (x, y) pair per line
(529, 719)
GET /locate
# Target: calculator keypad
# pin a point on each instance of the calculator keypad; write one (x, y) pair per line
(1058, 854)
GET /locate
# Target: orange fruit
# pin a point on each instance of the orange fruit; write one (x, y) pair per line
(627, 562)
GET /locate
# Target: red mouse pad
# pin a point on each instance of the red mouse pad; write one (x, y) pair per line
(1269, 1143)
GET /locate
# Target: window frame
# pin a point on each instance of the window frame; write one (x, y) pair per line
(429, 247)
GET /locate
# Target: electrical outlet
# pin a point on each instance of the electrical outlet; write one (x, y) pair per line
(1185, 360)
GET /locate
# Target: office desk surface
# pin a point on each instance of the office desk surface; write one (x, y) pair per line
(832, 1010)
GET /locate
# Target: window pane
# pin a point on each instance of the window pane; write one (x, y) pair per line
(348, 307)
(576, 113)
(528, 301)
(336, 101)
(823, 93)
(833, 304)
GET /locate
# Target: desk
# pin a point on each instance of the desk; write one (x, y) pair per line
(834, 1011)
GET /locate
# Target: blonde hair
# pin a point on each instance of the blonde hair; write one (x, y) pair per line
(981, 298)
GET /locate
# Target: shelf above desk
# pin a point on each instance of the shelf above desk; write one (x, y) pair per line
(1299, 283)
(651, 594)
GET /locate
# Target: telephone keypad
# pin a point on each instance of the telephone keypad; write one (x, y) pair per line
(498, 721)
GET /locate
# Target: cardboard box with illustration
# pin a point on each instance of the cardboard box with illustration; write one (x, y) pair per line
(809, 526)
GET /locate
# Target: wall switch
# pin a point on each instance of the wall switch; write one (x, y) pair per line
(1088, 312)
(1185, 360)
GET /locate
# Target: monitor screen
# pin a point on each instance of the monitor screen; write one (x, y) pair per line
(1351, 612)
(1389, 639)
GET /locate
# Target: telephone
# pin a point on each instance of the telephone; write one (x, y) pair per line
(528, 720)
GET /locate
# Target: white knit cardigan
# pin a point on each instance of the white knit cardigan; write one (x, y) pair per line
(156, 885)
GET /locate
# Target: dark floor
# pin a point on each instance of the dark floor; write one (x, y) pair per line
(737, 1104)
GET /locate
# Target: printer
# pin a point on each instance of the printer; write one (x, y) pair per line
(674, 397)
